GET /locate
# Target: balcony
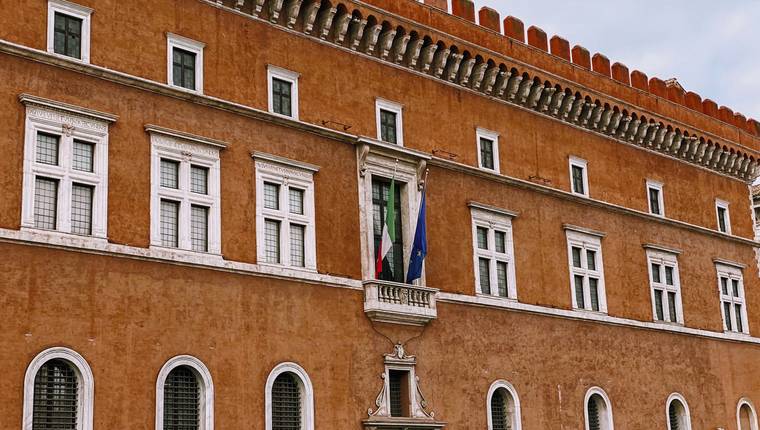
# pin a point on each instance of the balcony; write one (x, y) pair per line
(392, 302)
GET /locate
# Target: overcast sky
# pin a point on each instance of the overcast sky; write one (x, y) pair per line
(712, 47)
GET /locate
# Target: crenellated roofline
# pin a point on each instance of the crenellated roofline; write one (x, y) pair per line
(366, 30)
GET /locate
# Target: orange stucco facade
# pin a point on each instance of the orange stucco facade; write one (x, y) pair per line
(127, 311)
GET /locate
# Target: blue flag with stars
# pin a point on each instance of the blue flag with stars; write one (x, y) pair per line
(419, 247)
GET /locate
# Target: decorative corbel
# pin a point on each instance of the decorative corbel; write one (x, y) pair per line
(363, 153)
(421, 168)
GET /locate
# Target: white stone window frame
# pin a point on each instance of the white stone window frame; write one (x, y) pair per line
(77, 11)
(665, 259)
(194, 46)
(723, 204)
(753, 418)
(587, 240)
(502, 384)
(287, 76)
(187, 150)
(482, 133)
(732, 273)
(69, 123)
(307, 394)
(583, 164)
(205, 382)
(385, 165)
(493, 220)
(685, 420)
(607, 422)
(286, 173)
(659, 186)
(398, 109)
(85, 385)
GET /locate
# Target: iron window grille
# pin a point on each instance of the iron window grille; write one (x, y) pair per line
(182, 393)
(56, 397)
(286, 403)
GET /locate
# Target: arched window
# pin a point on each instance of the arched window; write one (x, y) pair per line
(678, 413)
(745, 415)
(289, 399)
(598, 410)
(58, 392)
(503, 407)
(184, 395)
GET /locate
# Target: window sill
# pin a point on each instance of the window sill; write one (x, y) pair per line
(64, 56)
(590, 312)
(737, 333)
(499, 298)
(187, 90)
(290, 268)
(668, 323)
(63, 238)
(290, 117)
(183, 254)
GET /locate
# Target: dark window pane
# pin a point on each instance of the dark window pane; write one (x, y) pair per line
(499, 411)
(576, 257)
(578, 180)
(183, 68)
(591, 260)
(67, 35)
(669, 275)
(655, 272)
(281, 97)
(486, 153)
(654, 201)
(482, 237)
(727, 313)
(722, 219)
(388, 126)
(579, 299)
(735, 285)
(593, 285)
(659, 311)
(724, 285)
(501, 278)
(672, 306)
(739, 323)
(484, 271)
(501, 241)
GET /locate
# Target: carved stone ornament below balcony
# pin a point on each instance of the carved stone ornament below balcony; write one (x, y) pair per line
(415, 416)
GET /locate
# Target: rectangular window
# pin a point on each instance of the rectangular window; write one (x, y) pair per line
(389, 122)
(81, 209)
(272, 241)
(493, 251)
(655, 198)
(68, 35)
(665, 285)
(185, 63)
(296, 201)
(65, 185)
(199, 179)
(731, 290)
(69, 29)
(46, 203)
(285, 212)
(393, 264)
(199, 228)
(169, 173)
(488, 149)
(169, 223)
(271, 196)
(183, 68)
(297, 240)
(83, 157)
(47, 149)
(578, 176)
(724, 220)
(586, 270)
(283, 91)
(185, 174)
(281, 97)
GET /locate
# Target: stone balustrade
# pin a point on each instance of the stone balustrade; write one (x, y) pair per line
(393, 302)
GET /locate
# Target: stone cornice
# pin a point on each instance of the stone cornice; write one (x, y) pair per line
(28, 99)
(509, 81)
(150, 128)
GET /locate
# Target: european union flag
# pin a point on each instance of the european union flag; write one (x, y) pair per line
(419, 247)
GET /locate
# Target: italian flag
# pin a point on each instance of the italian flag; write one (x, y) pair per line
(389, 231)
